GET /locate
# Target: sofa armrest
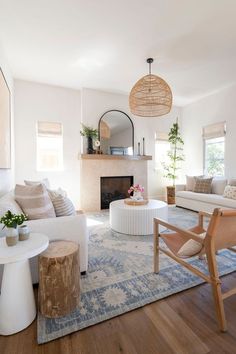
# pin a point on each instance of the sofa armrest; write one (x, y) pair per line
(64, 227)
(180, 187)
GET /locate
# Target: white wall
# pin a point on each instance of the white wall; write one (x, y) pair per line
(214, 108)
(7, 175)
(95, 103)
(37, 102)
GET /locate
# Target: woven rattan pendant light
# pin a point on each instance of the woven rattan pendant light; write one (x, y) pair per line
(151, 96)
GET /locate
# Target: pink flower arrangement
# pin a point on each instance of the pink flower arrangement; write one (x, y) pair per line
(136, 188)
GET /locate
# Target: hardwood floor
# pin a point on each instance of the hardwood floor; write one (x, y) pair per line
(183, 323)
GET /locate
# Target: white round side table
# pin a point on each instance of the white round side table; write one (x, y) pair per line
(136, 220)
(17, 304)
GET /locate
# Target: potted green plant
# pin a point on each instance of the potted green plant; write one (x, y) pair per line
(175, 155)
(90, 133)
(11, 222)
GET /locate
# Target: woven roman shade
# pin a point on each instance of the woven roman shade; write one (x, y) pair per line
(49, 129)
(215, 130)
(161, 136)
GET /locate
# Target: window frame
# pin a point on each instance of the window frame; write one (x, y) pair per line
(164, 141)
(60, 149)
(205, 172)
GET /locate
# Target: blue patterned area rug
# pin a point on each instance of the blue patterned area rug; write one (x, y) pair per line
(120, 276)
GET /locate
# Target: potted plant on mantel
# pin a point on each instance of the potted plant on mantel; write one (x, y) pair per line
(90, 133)
(175, 157)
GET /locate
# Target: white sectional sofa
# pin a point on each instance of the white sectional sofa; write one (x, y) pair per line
(72, 228)
(205, 202)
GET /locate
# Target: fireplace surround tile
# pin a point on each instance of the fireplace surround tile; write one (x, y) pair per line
(92, 170)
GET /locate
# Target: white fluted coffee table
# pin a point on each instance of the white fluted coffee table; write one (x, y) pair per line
(17, 304)
(136, 220)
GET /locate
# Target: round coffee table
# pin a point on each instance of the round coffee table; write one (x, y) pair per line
(17, 305)
(136, 220)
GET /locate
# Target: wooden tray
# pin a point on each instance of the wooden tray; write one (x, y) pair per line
(135, 202)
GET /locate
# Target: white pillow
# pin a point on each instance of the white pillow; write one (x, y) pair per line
(218, 185)
(63, 206)
(53, 193)
(232, 182)
(44, 181)
(230, 192)
(191, 247)
(7, 202)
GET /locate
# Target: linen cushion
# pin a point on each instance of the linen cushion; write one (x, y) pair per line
(203, 185)
(190, 182)
(232, 182)
(218, 185)
(63, 206)
(44, 181)
(191, 247)
(7, 202)
(53, 193)
(34, 201)
(230, 192)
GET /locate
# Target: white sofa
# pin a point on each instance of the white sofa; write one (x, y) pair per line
(72, 228)
(204, 202)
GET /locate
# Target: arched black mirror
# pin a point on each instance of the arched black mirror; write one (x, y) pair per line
(116, 133)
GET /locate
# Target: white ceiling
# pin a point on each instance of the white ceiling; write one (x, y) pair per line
(103, 44)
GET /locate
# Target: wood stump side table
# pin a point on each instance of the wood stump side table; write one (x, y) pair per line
(59, 279)
(17, 304)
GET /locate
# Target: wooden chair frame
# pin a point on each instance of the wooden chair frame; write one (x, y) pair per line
(210, 251)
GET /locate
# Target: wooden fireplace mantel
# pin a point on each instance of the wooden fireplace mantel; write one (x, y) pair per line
(114, 157)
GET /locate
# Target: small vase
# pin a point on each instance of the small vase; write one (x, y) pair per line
(90, 145)
(137, 195)
(23, 233)
(12, 236)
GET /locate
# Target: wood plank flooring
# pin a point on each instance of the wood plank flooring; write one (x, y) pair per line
(181, 324)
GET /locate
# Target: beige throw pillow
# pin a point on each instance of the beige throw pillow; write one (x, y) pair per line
(230, 192)
(190, 182)
(203, 185)
(44, 181)
(34, 201)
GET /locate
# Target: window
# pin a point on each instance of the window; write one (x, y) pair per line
(214, 156)
(162, 146)
(49, 146)
(214, 149)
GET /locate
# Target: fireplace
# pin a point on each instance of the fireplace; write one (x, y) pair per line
(114, 188)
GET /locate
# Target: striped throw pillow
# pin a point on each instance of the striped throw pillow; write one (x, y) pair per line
(34, 201)
(63, 206)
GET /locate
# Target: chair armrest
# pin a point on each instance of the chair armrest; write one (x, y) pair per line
(204, 213)
(201, 215)
(185, 233)
(180, 187)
